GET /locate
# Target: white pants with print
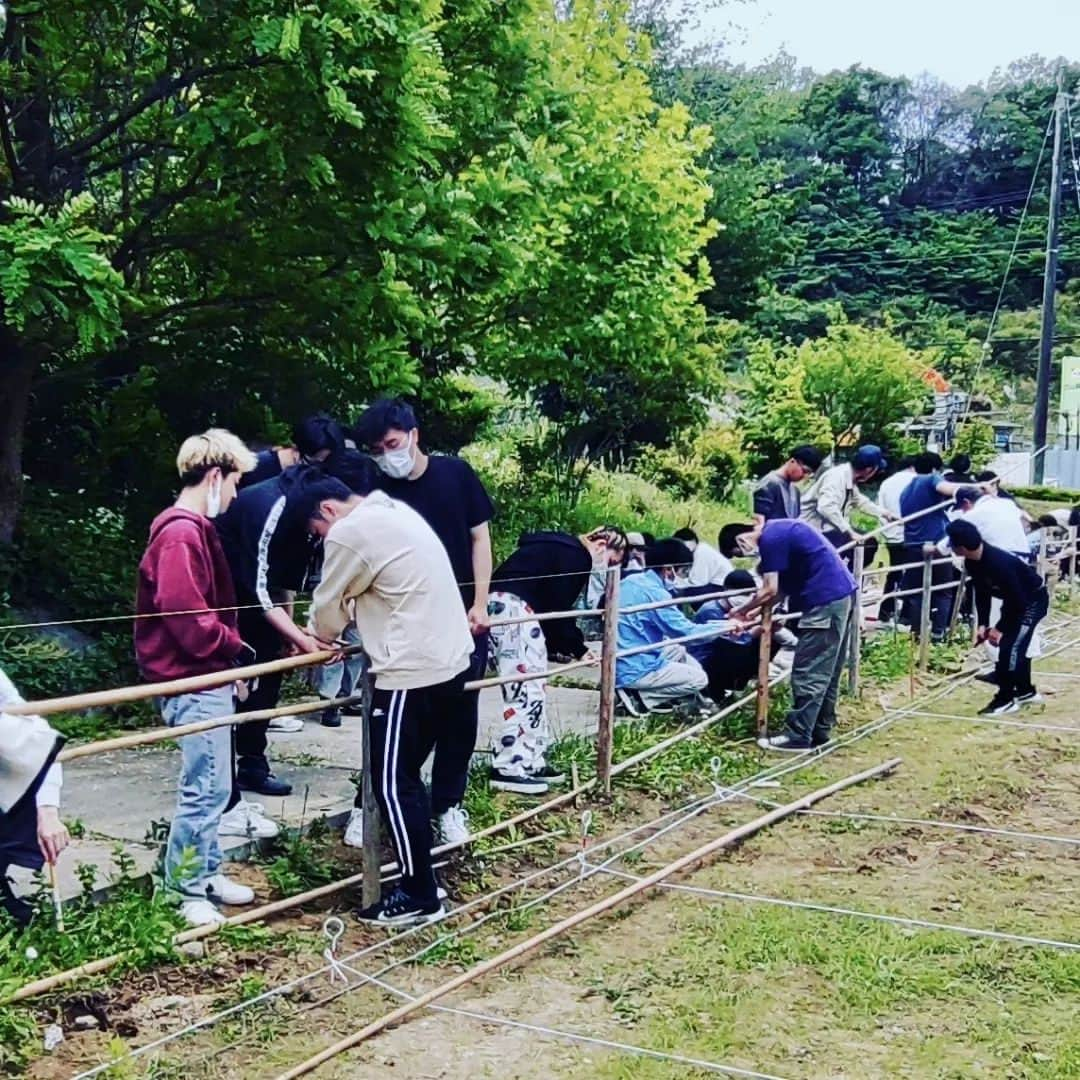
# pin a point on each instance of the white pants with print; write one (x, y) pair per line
(519, 744)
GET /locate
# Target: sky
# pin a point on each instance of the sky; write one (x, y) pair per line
(959, 41)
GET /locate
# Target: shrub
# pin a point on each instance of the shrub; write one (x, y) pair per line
(976, 439)
(720, 450)
(677, 470)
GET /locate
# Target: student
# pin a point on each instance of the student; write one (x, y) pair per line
(1024, 603)
(546, 573)
(665, 676)
(828, 501)
(959, 471)
(31, 832)
(707, 570)
(927, 489)
(268, 553)
(799, 563)
(889, 497)
(385, 568)
(999, 521)
(776, 495)
(315, 440)
(184, 570)
(446, 492)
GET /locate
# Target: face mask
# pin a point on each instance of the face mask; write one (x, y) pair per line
(397, 464)
(213, 498)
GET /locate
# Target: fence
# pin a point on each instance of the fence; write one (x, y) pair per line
(1050, 558)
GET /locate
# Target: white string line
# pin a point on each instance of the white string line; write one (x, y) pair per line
(569, 1036)
(984, 352)
(829, 909)
(774, 772)
(994, 720)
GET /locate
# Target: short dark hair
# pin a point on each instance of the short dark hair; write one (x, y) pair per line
(1048, 521)
(986, 475)
(354, 469)
(317, 433)
(727, 542)
(968, 494)
(810, 456)
(960, 463)
(963, 534)
(648, 538)
(386, 414)
(670, 552)
(740, 579)
(927, 462)
(312, 489)
(684, 535)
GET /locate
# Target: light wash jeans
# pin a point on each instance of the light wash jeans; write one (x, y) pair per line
(341, 679)
(192, 855)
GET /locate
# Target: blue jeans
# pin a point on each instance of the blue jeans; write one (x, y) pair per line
(192, 855)
(340, 679)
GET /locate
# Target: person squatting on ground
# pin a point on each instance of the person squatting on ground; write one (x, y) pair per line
(446, 492)
(546, 573)
(386, 569)
(664, 676)
(31, 832)
(799, 563)
(184, 571)
(776, 494)
(1024, 603)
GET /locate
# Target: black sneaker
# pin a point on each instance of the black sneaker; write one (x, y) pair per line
(630, 703)
(1032, 697)
(519, 785)
(330, 718)
(999, 705)
(784, 743)
(264, 783)
(988, 677)
(548, 775)
(401, 909)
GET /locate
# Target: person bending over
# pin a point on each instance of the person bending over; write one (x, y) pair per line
(386, 569)
(799, 563)
(546, 573)
(183, 584)
(1024, 603)
(706, 572)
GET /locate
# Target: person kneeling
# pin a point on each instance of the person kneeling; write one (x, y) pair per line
(184, 585)
(664, 676)
(386, 568)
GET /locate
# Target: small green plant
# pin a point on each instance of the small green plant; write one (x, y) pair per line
(300, 863)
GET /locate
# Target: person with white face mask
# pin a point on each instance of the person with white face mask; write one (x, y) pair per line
(183, 584)
(449, 496)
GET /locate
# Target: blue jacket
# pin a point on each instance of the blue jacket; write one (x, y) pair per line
(647, 627)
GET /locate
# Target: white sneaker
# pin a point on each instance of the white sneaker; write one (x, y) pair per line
(201, 913)
(247, 819)
(290, 724)
(454, 825)
(354, 830)
(223, 890)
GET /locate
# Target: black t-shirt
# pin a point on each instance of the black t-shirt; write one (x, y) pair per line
(448, 495)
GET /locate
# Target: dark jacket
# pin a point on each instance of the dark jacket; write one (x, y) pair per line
(548, 571)
(184, 570)
(1000, 573)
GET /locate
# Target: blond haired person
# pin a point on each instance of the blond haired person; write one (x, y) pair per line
(186, 627)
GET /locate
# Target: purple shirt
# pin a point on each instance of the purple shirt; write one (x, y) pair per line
(811, 573)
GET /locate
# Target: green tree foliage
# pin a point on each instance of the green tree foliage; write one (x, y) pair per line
(976, 439)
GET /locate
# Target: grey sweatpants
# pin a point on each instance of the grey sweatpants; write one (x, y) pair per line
(815, 671)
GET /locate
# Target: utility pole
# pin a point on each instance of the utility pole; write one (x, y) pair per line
(1046, 339)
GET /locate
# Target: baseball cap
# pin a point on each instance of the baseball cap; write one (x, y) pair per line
(869, 457)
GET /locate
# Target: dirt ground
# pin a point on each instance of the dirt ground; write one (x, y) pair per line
(747, 985)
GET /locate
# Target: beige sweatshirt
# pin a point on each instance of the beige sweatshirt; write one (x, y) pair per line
(385, 566)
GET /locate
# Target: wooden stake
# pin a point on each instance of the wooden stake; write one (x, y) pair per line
(764, 659)
(858, 556)
(58, 905)
(927, 599)
(958, 600)
(607, 678)
(729, 839)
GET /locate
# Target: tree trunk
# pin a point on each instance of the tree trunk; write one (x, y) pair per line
(17, 366)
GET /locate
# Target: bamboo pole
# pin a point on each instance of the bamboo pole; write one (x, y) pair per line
(728, 840)
(958, 600)
(924, 612)
(761, 714)
(1072, 559)
(855, 638)
(608, 656)
(371, 889)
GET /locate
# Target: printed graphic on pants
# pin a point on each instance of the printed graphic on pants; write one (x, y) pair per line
(519, 746)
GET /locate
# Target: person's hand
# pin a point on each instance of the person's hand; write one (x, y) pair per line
(980, 635)
(308, 643)
(479, 620)
(52, 833)
(993, 636)
(241, 690)
(591, 657)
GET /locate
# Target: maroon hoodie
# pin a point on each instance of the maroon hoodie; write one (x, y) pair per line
(184, 570)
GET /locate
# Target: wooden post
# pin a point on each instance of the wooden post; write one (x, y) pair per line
(958, 600)
(858, 557)
(927, 598)
(609, 648)
(1072, 557)
(764, 659)
(371, 889)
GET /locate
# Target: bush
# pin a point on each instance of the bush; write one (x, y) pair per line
(720, 450)
(674, 469)
(976, 439)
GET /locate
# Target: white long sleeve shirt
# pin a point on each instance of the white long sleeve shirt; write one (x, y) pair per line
(889, 497)
(1000, 523)
(828, 501)
(25, 745)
